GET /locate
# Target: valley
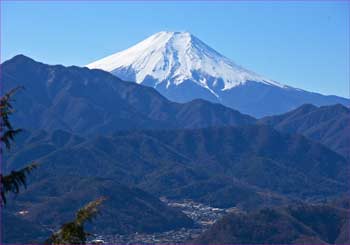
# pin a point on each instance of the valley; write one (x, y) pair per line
(203, 215)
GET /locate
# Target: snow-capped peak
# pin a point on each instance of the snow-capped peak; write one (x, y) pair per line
(175, 57)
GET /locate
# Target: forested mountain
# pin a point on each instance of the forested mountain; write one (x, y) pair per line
(51, 201)
(298, 224)
(96, 135)
(86, 101)
(247, 167)
(329, 125)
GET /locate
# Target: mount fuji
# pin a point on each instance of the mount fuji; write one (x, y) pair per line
(183, 68)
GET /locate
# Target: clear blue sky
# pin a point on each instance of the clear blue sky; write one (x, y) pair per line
(302, 44)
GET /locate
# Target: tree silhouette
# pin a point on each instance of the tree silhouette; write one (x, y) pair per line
(73, 232)
(13, 181)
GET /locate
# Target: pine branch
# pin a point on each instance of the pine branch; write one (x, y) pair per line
(89, 211)
(6, 109)
(73, 232)
(13, 181)
(9, 136)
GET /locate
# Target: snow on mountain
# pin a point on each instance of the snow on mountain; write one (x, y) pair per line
(183, 68)
(176, 57)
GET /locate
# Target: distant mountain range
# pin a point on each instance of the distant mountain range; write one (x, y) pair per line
(329, 125)
(247, 167)
(95, 134)
(87, 101)
(183, 68)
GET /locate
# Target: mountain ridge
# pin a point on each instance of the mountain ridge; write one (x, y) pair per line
(95, 101)
(170, 163)
(329, 125)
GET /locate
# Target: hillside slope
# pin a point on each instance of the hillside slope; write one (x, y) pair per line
(84, 101)
(300, 224)
(329, 125)
(214, 165)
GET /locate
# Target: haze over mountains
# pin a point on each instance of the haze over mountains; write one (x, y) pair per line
(248, 168)
(100, 135)
(183, 68)
(87, 101)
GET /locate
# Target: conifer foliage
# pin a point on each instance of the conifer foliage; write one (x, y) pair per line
(12, 182)
(73, 232)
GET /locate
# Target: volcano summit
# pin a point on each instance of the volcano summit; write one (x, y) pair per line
(183, 68)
